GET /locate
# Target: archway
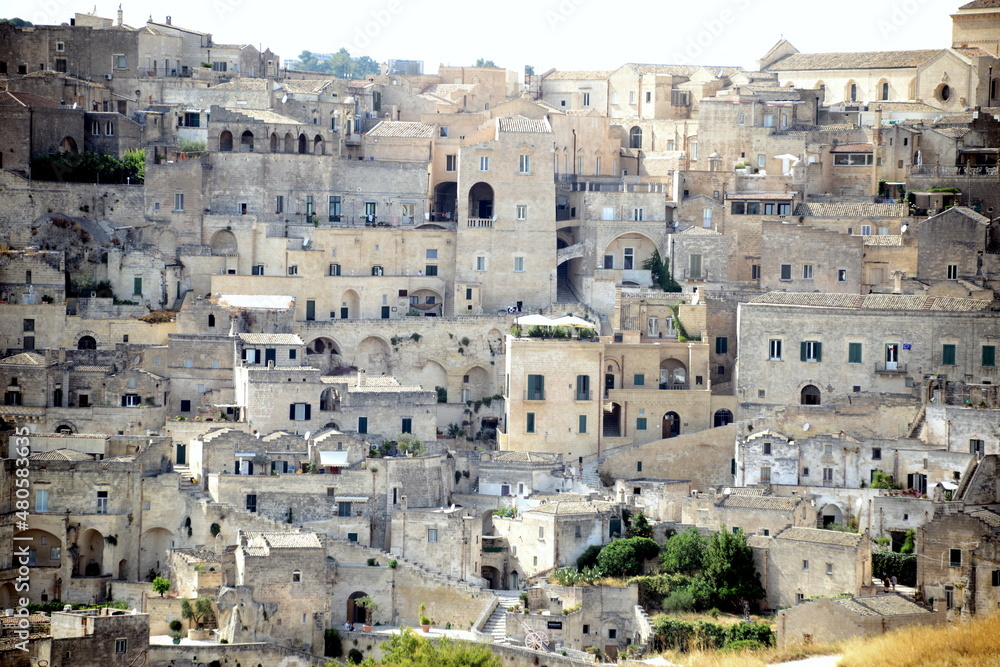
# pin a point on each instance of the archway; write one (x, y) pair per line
(289, 143)
(477, 381)
(373, 355)
(226, 141)
(318, 145)
(427, 302)
(246, 142)
(63, 429)
(611, 423)
(123, 568)
(329, 400)
(810, 395)
(832, 514)
(8, 596)
(303, 143)
(350, 305)
(635, 137)
(274, 142)
(481, 200)
(629, 252)
(492, 576)
(355, 613)
(90, 562)
(86, 343)
(673, 374)
(445, 204)
(671, 427)
(513, 579)
(722, 418)
(44, 548)
(153, 550)
(224, 243)
(68, 145)
(612, 376)
(432, 376)
(324, 354)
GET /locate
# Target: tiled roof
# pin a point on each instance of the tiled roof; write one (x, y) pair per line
(572, 75)
(681, 70)
(35, 619)
(819, 536)
(853, 148)
(860, 60)
(402, 129)
(281, 540)
(25, 100)
(522, 124)
(61, 455)
(24, 359)
(198, 555)
(760, 503)
(883, 240)
(903, 106)
(758, 541)
(92, 369)
(988, 517)
(872, 301)
(760, 196)
(567, 507)
(852, 210)
(981, 4)
(242, 83)
(524, 457)
(270, 339)
(883, 605)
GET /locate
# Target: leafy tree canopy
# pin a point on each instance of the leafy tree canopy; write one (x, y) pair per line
(683, 553)
(485, 63)
(408, 649)
(16, 22)
(729, 569)
(339, 64)
(624, 558)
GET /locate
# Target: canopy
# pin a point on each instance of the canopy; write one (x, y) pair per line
(336, 459)
(573, 321)
(786, 156)
(534, 320)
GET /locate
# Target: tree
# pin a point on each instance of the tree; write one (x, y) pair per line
(197, 613)
(485, 63)
(659, 267)
(729, 569)
(161, 585)
(370, 605)
(683, 553)
(16, 22)
(408, 649)
(640, 527)
(624, 558)
(589, 557)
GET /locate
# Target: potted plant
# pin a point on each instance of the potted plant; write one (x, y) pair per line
(175, 631)
(370, 606)
(425, 621)
(197, 613)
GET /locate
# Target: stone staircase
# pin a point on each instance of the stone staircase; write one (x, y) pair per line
(590, 477)
(496, 625)
(188, 487)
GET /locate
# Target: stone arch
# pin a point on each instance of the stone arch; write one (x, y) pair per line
(635, 137)
(480, 382)
(355, 614)
(226, 141)
(289, 143)
(122, 572)
(65, 428)
(42, 546)
(671, 426)
(612, 375)
(373, 355)
(673, 374)
(428, 301)
(274, 142)
(68, 145)
(323, 353)
(246, 142)
(329, 400)
(884, 90)
(224, 243)
(90, 562)
(852, 93)
(350, 305)
(433, 375)
(722, 418)
(318, 145)
(481, 200)
(87, 340)
(943, 92)
(831, 514)
(445, 202)
(303, 144)
(153, 550)
(642, 248)
(167, 244)
(8, 596)
(810, 395)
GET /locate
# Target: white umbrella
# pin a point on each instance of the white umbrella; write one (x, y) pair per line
(534, 320)
(788, 157)
(573, 321)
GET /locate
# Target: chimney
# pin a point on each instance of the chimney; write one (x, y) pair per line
(120, 15)
(361, 377)
(62, 354)
(168, 21)
(897, 282)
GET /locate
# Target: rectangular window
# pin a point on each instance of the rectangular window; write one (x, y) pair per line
(638, 214)
(120, 62)
(352, 537)
(755, 272)
(582, 428)
(766, 449)
(480, 263)
(765, 474)
(854, 353)
(805, 566)
(706, 218)
(536, 388)
(989, 355)
(953, 272)
(407, 425)
(640, 424)
(876, 453)
(257, 270)
(450, 162)
(522, 212)
(631, 97)
(293, 270)
(529, 426)
(948, 355)
(841, 275)
(721, 345)
(362, 425)
(299, 412)
(28, 325)
(866, 230)
(343, 509)
(334, 213)
(335, 269)
(829, 568)
(639, 380)
(524, 164)
(102, 502)
(628, 258)
(121, 645)
(811, 350)
(484, 163)
(786, 272)
(41, 500)
(178, 202)
(827, 476)
(996, 577)
(431, 270)
(185, 405)
(955, 558)
(519, 264)
(694, 266)
(583, 387)
(774, 349)
(807, 272)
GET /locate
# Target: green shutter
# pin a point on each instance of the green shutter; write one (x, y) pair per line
(819, 351)
(854, 353)
(530, 427)
(948, 355)
(137, 285)
(583, 423)
(640, 380)
(802, 351)
(640, 424)
(989, 355)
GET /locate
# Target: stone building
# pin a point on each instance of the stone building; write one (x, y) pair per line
(954, 552)
(441, 539)
(750, 510)
(826, 620)
(97, 637)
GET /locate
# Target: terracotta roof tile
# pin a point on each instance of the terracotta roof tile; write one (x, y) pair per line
(819, 536)
(859, 60)
(402, 129)
(24, 359)
(883, 605)
(760, 503)
(852, 210)
(522, 124)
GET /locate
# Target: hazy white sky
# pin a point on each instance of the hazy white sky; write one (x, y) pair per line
(566, 34)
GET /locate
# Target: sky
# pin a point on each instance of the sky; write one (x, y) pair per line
(561, 34)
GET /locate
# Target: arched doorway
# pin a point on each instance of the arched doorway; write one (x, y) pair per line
(671, 425)
(289, 143)
(68, 145)
(224, 243)
(673, 374)
(810, 395)
(246, 142)
(478, 383)
(355, 614)
(445, 195)
(90, 562)
(832, 514)
(513, 580)
(8, 596)
(317, 145)
(323, 354)
(226, 141)
(635, 137)
(492, 577)
(481, 201)
(612, 427)
(303, 144)
(123, 569)
(722, 418)
(350, 305)
(611, 376)
(432, 376)
(153, 550)
(86, 343)
(274, 142)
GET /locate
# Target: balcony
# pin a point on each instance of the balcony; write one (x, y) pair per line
(640, 277)
(480, 222)
(890, 368)
(939, 171)
(352, 139)
(668, 386)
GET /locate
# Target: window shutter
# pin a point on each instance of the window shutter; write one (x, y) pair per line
(291, 411)
(123, 400)
(989, 355)
(802, 351)
(308, 411)
(243, 354)
(237, 468)
(819, 351)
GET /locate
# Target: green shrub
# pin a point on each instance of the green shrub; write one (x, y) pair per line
(625, 558)
(589, 557)
(902, 566)
(354, 656)
(332, 645)
(743, 645)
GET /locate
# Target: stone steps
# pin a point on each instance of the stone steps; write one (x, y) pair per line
(496, 625)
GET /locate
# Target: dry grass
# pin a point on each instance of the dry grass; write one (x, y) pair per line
(749, 658)
(952, 645)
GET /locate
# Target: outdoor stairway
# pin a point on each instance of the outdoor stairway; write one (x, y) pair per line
(918, 423)
(564, 293)
(590, 477)
(186, 486)
(496, 625)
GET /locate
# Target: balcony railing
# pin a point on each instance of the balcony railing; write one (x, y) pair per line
(583, 395)
(480, 222)
(891, 368)
(944, 171)
(673, 386)
(534, 395)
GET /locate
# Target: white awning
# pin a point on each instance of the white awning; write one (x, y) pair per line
(351, 499)
(246, 454)
(336, 459)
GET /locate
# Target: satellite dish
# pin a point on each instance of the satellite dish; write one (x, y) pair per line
(903, 228)
(306, 436)
(284, 99)
(805, 427)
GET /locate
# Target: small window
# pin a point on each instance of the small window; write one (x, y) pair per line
(811, 351)
(786, 272)
(774, 349)
(524, 164)
(432, 535)
(529, 422)
(450, 163)
(121, 645)
(876, 453)
(522, 212)
(480, 263)
(293, 270)
(948, 355)
(721, 345)
(766, 449)
(612, 633)
(640, 424)
(484, 163)
(352, 537)
(639, 380)
(854, 353)
(955, 558)
(807, 272)
(518, 264)
(989, 355)
(178, 202)
(996, 577)
(841, 275)
(297, 577)
(805, 566)
(443, 132)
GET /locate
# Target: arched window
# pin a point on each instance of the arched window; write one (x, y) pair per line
(810, 395)
(226, 141)
(303, 143)
(635, 137)
(377, 271)
(86, 343)
(95, 127)
(852, 92)
(109, 129)
(723, 418)
(246, 142)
